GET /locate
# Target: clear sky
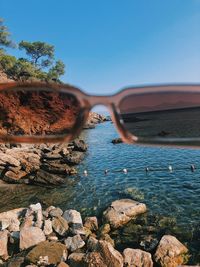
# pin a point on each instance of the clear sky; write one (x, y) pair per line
(109, 44)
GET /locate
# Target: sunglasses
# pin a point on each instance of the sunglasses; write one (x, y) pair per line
(45, 112)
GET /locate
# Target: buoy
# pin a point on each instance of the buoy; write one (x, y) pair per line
(85, 172)
(106, 172)
(125, 170)
(192, 167)
(170, 168)
(147, 169)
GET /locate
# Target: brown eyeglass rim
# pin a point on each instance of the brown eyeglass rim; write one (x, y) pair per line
(87, 102)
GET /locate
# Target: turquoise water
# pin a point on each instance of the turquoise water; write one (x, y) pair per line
(171, 194)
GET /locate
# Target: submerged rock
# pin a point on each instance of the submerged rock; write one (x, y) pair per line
(137, 258)
(117, 141)
(171, 252)
(122, 211)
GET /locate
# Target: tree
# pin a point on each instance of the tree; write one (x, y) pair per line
(7, 62)
(17, 69)
(41, 53)
(5, 36)
(56, 71)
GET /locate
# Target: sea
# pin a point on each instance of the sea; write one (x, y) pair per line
(160, 177)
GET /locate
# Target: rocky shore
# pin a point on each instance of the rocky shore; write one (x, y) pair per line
(50, 237)
(95, 118)
(47, 164)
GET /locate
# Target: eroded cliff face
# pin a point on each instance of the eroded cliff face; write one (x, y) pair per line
(37, 113)
(40, 112)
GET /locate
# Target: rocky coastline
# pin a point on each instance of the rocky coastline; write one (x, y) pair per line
(47, 164)
(37, 236)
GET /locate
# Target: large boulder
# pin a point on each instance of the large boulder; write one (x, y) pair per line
(110, 255)
(171, 252)
(53, 252)
(31, 236)
(122, 211)
(10, 219)
(137, 258)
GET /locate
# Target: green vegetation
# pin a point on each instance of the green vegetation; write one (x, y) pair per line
(40, 62)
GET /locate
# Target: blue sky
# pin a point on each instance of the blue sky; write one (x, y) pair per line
(109, 44)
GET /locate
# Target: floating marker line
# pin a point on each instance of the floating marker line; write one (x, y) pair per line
(169, 169)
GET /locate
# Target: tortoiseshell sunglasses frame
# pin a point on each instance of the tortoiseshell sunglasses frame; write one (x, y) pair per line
(87, 102)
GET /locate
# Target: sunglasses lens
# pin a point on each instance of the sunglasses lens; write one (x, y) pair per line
(165, 115)
(37, 112)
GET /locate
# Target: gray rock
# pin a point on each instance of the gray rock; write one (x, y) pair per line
(36, 209)
(47, 227)
(137, 258)
(73, 217)
(56, 212)
(3, 244)
(122, 211)
(74, 220)
(60, 225)
(171, 252)
(74, 243)
(31, 236)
